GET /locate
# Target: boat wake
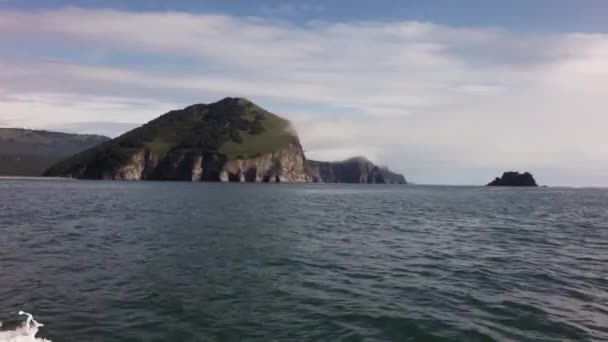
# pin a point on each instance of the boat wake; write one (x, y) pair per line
(21, 331)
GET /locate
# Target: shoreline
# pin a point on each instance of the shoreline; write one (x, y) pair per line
(33, 177)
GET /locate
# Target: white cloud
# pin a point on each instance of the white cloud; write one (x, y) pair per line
(106, 128)
(55, 111)
(417, 96)
(290, 9)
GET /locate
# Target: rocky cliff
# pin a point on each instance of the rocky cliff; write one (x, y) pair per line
(232, 140)
(286, 164)
(353, 170)
(514, 179)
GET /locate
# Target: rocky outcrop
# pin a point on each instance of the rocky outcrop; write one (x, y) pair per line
(354, 170)
(514, 179)
(392, 177)
(178, 164)
(132, 170)
(286, 165)
(197, 169)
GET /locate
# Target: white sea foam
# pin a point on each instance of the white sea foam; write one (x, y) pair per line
(26, 332)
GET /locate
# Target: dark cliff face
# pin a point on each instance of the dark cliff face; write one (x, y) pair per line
(286, 164)
(514, 179)
(354, 170)
(392, 177)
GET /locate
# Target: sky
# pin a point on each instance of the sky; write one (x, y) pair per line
(446, 92)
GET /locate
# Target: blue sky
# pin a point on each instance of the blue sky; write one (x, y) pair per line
(532, 15)
(449, 92)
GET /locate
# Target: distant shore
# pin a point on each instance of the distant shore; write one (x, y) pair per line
(33, 177)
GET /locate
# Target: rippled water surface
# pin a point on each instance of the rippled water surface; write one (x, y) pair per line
(119, 261)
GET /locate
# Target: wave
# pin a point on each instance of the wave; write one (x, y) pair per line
(21, 331)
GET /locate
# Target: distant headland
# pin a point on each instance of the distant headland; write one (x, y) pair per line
(28, 152)
(232, 140)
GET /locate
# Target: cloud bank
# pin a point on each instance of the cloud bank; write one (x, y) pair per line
(442, 104)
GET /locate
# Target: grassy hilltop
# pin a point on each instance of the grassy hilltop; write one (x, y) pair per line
(233, 127)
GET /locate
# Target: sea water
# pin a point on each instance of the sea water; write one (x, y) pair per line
(171, 261)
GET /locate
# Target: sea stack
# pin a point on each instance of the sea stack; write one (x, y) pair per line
(514, 179)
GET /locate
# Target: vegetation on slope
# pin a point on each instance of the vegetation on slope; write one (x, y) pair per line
(234, 127)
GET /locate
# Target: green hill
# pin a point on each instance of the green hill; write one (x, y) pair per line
(25, 152)
(230, 129)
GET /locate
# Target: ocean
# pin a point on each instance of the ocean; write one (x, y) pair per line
(171, 261)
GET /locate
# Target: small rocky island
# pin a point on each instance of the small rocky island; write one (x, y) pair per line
(514, 179)
(232, 140)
